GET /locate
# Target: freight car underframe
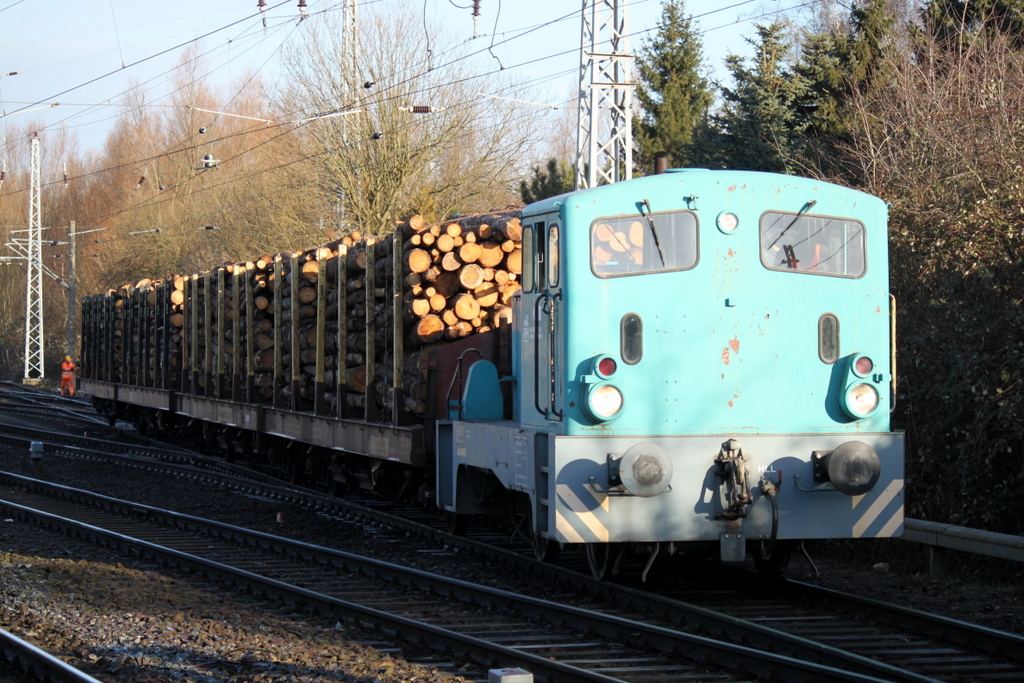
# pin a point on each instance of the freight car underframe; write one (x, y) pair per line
(249, 429)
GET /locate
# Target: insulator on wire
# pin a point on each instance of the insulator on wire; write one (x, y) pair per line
(421, 109)
(476, 8)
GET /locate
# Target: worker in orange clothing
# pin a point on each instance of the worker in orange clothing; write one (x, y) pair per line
(67, 377)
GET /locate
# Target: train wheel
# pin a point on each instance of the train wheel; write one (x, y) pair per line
(772, 561)
(546, 550)
(599, 559)
(457, 524)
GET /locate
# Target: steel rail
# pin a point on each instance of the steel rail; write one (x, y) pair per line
(728, 655)
(43, 665)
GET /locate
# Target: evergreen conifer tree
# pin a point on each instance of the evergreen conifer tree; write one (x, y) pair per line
(673, 93)
(760, 126)
(556, 178)
(837, 65)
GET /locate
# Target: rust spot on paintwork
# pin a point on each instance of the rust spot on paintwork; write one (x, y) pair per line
(734, 344)
(733, 188)
(730, 404)
(729, 253)
(725, 356)
(878, 309)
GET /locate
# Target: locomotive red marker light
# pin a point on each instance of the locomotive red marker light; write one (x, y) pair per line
(606, 366)
(864, 366)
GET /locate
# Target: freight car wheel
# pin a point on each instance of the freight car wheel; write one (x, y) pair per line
(546, 550)
(600, 557)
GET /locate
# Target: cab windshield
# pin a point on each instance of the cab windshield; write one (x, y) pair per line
(818, 245)
(645, 243)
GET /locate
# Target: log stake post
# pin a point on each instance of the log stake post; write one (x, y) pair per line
(238, 297)
(87, 334)
(141, 352)
(147, 350)
(341, 367)
(192, 316)
(371, 412)
(155, 343)
(134, 337)
(186, 338)
(397, 328)
(97, 353)
(163, 317)
(127, 333)
(120, 324)
(296, 367)
(278, 378)
(319, 400)
(112, 337)
(147, 355)
(250, 334)
(208, 332)
(220, 332)
(124, 360)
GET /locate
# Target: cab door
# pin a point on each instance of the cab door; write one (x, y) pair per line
(542, 302)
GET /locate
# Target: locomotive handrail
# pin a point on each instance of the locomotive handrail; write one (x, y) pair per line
(940, 537)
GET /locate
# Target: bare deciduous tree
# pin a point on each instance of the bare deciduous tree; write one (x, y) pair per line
(377, 158)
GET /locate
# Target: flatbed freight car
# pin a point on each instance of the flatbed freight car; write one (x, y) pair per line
(693, 361)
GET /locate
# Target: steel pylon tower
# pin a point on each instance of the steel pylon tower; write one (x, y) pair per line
(604, 145)
(349, 42)
(34, 276)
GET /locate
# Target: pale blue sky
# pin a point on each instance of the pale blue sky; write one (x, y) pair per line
(86, 53)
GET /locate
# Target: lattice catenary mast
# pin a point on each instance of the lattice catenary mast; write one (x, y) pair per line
(348, 40)
(34, 273)
(604, 146)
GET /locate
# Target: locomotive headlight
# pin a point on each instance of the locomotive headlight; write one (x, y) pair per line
(603, 402)
(861, 400)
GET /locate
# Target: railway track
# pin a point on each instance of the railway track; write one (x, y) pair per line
(552, 640)
(843, 631)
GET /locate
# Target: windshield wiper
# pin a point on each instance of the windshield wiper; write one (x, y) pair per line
(654, 231)
(806, 208)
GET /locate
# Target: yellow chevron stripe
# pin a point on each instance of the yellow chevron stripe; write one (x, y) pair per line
(869, 516)
(566, 530)
(583, 513)
(894, 524)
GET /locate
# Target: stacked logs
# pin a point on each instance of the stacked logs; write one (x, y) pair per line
(461, 275)
(316, 329)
